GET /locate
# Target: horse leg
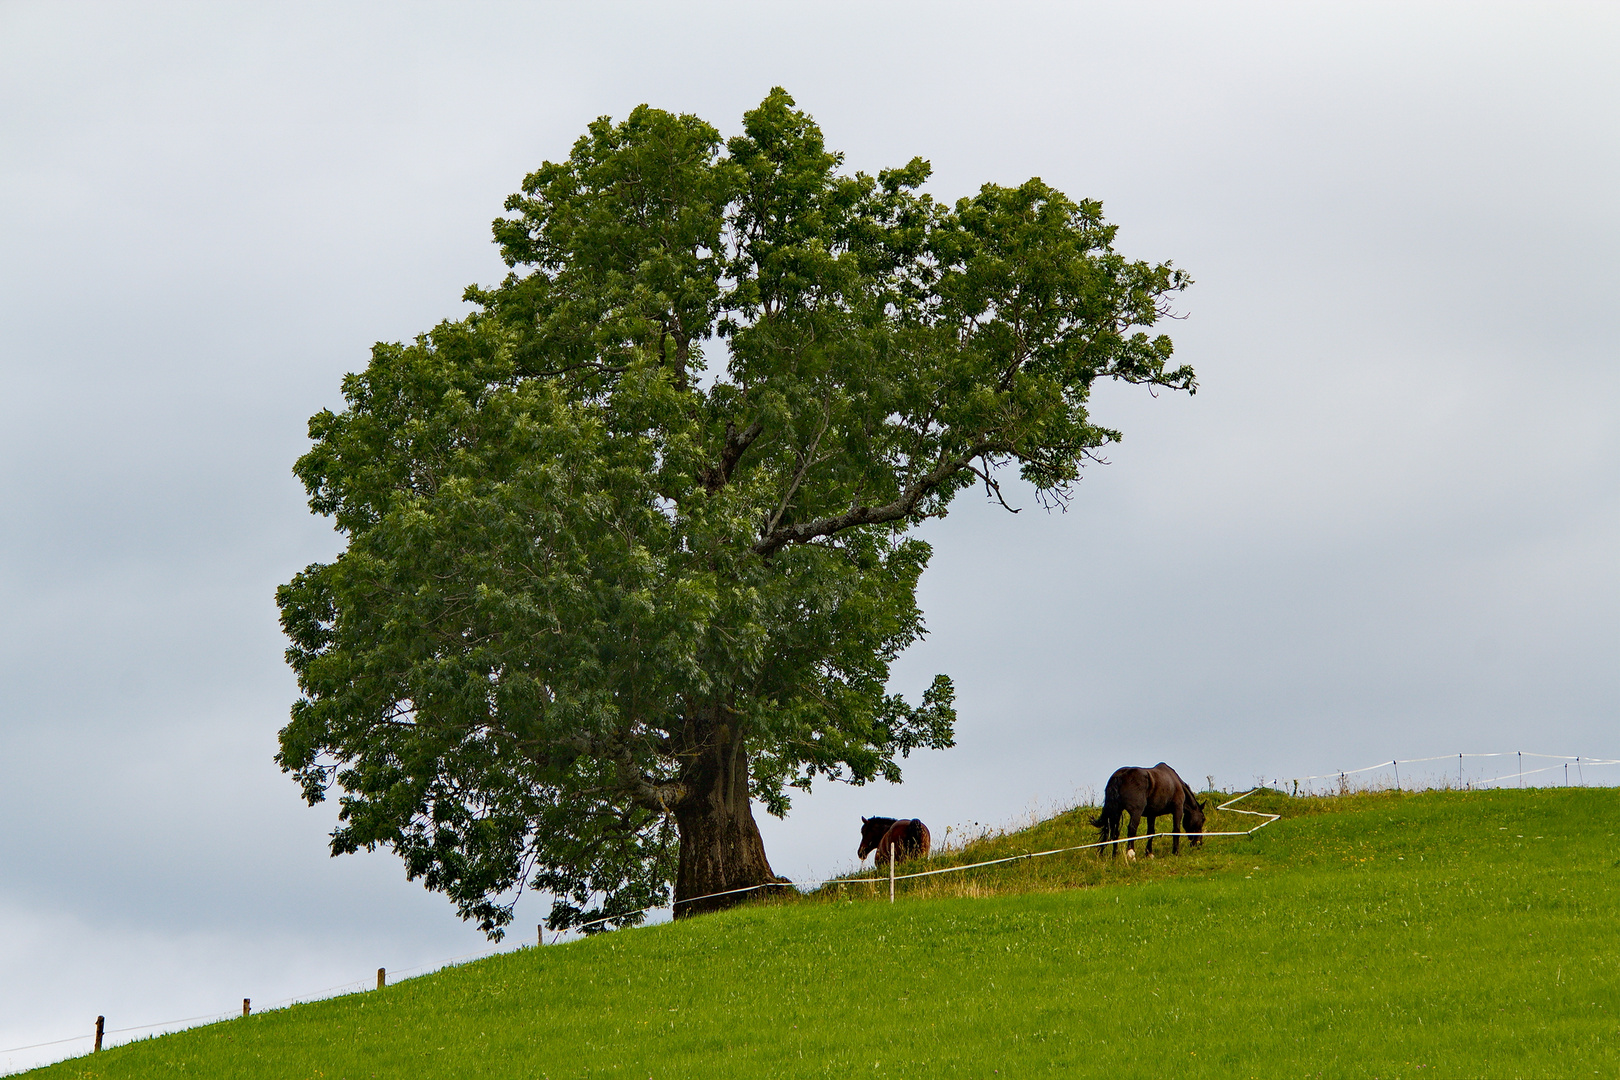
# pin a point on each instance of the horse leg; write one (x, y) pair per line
(1130, 842)
(1152, 821)
(1175, 826)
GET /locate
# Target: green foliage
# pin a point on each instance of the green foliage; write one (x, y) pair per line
(580, 564)
(1446, 934)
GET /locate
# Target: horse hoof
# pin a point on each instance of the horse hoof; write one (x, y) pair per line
(1130, 854)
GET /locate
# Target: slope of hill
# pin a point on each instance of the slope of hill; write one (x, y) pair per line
(1387, 934)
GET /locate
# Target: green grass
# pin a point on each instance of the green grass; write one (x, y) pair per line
(1381, 935)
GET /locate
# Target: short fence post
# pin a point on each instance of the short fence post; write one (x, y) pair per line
(1397, 774)
(1579, 776)
(382, 977)
(247, 1006)
(542, 929)
(891, 872)
(1459, 771)
(1521, 768)
(101, 1025)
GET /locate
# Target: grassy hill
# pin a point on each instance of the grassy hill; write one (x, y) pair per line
(1381, 935)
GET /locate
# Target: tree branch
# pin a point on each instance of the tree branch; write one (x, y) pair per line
(901, 507)
(650, 794)
(737, 442)
(992, 486)
(807, 459)
(628, 779)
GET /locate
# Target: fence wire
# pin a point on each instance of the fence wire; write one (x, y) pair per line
(1559, 761)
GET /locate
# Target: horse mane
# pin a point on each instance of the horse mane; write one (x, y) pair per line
(1191, 796)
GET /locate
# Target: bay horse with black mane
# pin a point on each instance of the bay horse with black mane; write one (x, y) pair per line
(1148, 793)
(896, 839)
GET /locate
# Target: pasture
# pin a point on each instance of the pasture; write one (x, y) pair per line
(1380, 935)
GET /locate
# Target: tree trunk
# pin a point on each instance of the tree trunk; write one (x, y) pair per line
(721, 847)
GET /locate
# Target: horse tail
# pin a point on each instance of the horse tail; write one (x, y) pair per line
(1111, 807)
(918, 839)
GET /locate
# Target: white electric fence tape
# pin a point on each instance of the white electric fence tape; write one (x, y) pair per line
(966, 866)
(362, 984)
(1561, 759)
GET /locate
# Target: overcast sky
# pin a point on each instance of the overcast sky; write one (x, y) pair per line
(1386, 526)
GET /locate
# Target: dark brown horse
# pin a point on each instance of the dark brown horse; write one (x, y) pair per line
(1148, 793)
(906, 838)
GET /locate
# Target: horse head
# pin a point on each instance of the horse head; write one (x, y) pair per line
(1193, 819)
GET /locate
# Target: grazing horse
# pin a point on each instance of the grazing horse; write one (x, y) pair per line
(899, 840)
(1147, 793)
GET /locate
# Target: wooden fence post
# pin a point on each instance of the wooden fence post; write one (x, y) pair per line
(891, 871)
(247, 1006)
(101, 1025)
(382, 977)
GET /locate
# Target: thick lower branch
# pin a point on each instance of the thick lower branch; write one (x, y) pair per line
(651, 794)
(628, 778)
(663, 797)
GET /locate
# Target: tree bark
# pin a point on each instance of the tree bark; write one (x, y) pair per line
(721, 848)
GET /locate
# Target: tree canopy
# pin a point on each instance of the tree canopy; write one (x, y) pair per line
(630, 545)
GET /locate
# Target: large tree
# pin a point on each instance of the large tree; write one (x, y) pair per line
(629, 546)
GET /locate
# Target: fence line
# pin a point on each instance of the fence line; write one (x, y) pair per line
(1561, 758)
(122, 1031)
(360, 984)
(957, 869)
(1102, 843)
(297, 999)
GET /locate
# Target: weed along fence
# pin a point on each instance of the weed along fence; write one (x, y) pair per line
(1456, 772)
